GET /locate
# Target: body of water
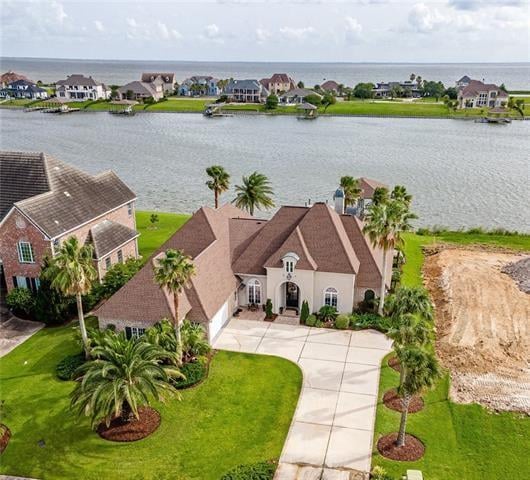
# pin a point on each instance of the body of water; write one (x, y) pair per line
(461, 173)
(515, 76)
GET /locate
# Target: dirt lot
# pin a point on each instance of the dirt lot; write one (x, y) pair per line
(482, 323)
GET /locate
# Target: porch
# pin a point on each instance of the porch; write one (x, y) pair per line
(288, 317)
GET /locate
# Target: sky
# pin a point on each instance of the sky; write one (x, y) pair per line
(269, 30)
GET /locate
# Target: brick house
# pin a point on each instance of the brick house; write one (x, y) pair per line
(278, 83)
(476, 94)
(314, 253)
(44, 201)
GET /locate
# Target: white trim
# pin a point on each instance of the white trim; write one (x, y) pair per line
(335, 292)
(14, 207)
(20, 253)
(254, 282)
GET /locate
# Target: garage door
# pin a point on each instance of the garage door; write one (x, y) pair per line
(218, 321)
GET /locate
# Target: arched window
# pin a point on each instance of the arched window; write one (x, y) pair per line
(331, 297)
(254, 291)
(369, 295)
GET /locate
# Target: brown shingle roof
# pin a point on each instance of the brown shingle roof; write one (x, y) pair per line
(107, 236)
(330, 85)
(369, 185)
(66, 197)
(475, 87)
(78, 79)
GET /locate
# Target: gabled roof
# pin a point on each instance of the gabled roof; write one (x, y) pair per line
(56, 196)
(300, 92)
(10, 77)
(474, 87)
(248, 84)
(280, 78)
(294, 243)
(330, 85)
(107, 236)
(464, 79)
(138, 88)
(78, 79)
(368, 186)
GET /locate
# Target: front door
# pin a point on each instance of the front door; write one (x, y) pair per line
(291, 295)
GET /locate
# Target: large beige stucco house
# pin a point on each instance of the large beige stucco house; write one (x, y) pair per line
(313, 253)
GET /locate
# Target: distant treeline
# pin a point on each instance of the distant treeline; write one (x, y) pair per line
(439, 230)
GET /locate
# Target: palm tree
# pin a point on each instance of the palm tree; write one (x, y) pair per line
(352, 190)
(124, 375)
(400, 193)
(72, 273)
(219, 181)
(173, 271)
(380, 195)
(410, 300)
(255, 193)
(385, 223)
(516, 104)
(422, 372)
(412, 77)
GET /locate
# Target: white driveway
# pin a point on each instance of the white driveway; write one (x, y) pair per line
(333, 426)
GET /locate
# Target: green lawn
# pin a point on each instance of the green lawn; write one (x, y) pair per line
(180, 105)
(463, 441)
(152, 238)
(240, 414)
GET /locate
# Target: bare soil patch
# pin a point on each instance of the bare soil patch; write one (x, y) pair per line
(5, 435)
(412, 450)
(392, 400)
(123, 431)
(482, 320)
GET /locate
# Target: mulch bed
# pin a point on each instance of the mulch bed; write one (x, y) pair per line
(393, 362)
(412, 451)
(4, 439)
(121, 431)
(392, 400)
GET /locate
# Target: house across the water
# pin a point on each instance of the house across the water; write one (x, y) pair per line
(478, 94)
(310, 253)
(78, 88)
(44, 201)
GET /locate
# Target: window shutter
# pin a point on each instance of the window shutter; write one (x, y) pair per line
(128, 332)
(15, 282)
(28, 283)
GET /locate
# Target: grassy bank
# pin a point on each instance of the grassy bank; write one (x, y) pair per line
(240, 414)
(397, 108)
(462, 441)
(151, 237)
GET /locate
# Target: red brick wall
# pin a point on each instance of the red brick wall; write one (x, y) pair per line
(17, 228)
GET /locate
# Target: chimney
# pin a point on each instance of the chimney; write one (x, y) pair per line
(339, 201)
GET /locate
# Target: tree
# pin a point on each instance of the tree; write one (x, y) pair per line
(400, 193)
(327, 100)
(452, 93)
(363, 90)
(194, 342)
(317, 87)
(352, 190)
(173, 271)
(396, 91)
(153, 219)
(300, 84)
(313, 99)
(304, 312)
(129, 94)
(219, 181)
(410, 301)
(516, 104)
(124, 375)
(503, 88)
(72, 273)
(422, 372)
(419, 81)
(412, 77)
(381, 195)
(385, 223)
(255, 193)
(272, 102)
(433, 89)
(449, 103)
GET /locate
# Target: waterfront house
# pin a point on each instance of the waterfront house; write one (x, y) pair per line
(200, 85)
(141, 91)
(78, 88)
(331, 86)
(10, 77)
(463, 82)
(23, 89)
(477, 94)
(313, 253)
(279, 83)
(297, 96)
(165, 80)
(246, 91)
(44, 201)
(385, 89)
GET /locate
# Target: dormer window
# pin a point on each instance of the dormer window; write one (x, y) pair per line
(289, 261)
(289, 266)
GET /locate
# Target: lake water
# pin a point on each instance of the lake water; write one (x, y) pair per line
(515, 76)
(461, 173)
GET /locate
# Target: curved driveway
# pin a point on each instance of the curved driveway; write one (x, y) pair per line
(333, 425)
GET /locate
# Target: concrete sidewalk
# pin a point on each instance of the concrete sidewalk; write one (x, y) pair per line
(13, 330)
(332, 430)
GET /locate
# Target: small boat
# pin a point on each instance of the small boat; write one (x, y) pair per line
(123, 107)
(215, 110)
(498, 115)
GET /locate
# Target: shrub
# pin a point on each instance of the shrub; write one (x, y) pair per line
(271, 102)
(304, 312)
(193, 372)
(342, 322)
(311, 320)
(194, 342)
(268, 308)
(327, 314)
(313, 100)
(379, 473)
(254, 471)
(370, 320)
(67, 366)
(118, 275)
(21, 300)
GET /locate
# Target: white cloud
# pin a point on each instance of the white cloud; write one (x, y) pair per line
(354, 30)
(168, 33)
(212, 31)
(425, 19)
(99, 26)
(132, 22)
(293, 33)
(477, 4)
(262, 35)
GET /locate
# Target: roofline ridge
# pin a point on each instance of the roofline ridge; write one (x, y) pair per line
(332, 212)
